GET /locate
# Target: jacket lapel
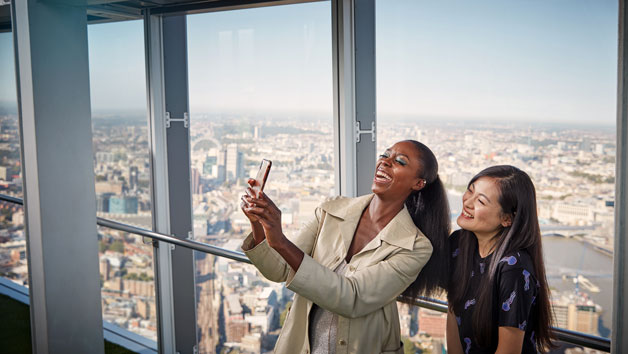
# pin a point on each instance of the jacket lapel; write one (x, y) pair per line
(400, 231)
(349, 211)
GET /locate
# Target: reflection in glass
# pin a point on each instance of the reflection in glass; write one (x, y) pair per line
(13, 260)
(122, 174)
(260, 87)
(499, 82)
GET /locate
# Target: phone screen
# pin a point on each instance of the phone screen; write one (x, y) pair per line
(262, 175)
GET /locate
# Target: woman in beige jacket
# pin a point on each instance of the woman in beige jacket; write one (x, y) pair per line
(349, 264)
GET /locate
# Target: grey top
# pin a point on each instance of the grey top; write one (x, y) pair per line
(324, 324)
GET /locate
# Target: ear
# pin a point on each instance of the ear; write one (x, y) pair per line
(419, 185)
(507, 220)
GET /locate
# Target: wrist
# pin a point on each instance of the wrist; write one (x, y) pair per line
(279, 245)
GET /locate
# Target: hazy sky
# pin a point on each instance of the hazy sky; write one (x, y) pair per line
(535, 60)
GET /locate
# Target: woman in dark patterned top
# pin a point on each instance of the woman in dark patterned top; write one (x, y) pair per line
(498, 294)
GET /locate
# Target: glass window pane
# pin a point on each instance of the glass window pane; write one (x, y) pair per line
(122, 173)
(531, 84)
(260, 87)
(13, 260)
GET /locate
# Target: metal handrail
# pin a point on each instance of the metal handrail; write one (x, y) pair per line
(573, 337)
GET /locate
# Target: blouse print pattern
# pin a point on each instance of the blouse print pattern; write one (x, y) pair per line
(513, 297)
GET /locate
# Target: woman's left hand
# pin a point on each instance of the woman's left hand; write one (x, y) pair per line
(270, 217)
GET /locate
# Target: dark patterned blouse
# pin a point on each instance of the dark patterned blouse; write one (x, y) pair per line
(514, 293)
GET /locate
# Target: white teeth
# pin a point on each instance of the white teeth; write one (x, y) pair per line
(467, 214)
(382, 175)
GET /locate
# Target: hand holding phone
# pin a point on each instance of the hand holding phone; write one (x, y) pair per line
(262, 175)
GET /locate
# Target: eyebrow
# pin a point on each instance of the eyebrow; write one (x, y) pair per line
(482, 194)
(487, 198)
(398, 154)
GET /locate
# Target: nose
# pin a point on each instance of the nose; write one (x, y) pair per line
(385, 161)
(467, 202)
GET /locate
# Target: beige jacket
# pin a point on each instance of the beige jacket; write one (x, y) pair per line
(364, 298)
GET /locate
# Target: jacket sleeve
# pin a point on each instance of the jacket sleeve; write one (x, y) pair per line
(367, 289)
(269, 262)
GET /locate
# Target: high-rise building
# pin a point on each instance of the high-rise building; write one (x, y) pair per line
(133, 177)
(209, 166)
(197, 187)
(102, 202)
(234, 163)
(123, 205)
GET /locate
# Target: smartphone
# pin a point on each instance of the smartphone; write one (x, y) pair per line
(262, 175)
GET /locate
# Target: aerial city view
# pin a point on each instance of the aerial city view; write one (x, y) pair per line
(238, 310)
(474, 81)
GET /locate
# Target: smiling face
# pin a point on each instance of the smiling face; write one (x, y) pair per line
(397, 172)
(481, 212)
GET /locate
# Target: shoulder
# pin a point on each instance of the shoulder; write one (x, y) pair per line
(333, 200)
(340, 206)
(453, 242)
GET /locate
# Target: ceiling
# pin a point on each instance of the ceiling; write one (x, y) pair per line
(99, 11)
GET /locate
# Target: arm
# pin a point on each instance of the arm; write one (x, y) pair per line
(517, 292)
(274, 256)
(352, 295)
(510, 340)
(453, 338)
(364, 291)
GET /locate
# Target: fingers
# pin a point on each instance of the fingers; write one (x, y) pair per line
(252, 201)
(252, 192)
(265, 198)
(261, 212)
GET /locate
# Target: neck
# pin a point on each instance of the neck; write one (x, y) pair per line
(381, 211)
(485, 244)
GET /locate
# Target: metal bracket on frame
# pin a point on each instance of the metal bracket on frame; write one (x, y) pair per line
(359, 131)
(185, 120)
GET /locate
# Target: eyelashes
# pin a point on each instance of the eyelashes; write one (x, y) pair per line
(398, 160)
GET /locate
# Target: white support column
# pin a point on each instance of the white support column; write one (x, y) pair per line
(57, 164)
(353, 30)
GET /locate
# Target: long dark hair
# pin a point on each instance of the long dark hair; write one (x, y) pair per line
(517, 198)
(430, 212)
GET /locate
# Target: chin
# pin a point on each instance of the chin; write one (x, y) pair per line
(462, 223)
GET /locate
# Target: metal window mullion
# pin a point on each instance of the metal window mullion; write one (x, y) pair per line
(159, 181)
(175, 79)
(344, 97)
(619, 332)
(354, 94)
(365, 97)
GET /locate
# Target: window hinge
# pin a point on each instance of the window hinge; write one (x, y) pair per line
(185, 120)
(359, 131)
